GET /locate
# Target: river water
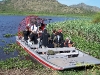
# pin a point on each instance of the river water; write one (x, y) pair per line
(9, 25)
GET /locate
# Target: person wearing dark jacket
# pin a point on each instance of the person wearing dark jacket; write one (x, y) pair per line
(57, 40)
(50, 45)
(33, 37)
(44, 38)
(26, 33)
(53, 35)
(60, 34)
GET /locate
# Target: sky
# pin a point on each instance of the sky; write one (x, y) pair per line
(88, 2)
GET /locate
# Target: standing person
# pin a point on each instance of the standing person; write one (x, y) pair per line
(39, 35)
(60, 34)
(68, 43)
(44, 38)
(34, 30)
(42, 26)
(53, 34)
(61, 38)
(57, 40)
(39, 32)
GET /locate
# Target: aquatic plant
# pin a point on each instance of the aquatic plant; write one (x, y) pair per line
(11, 47)
(15, 63)
(8, 35)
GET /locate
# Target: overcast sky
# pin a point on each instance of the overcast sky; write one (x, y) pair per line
(88, 2)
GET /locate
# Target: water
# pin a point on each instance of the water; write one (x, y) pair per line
(9, 25)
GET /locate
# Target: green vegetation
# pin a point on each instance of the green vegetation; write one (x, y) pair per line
(84, 33)
(17, 62)
(83, 28)
(8, 35)
(51, 7)
(96, 18)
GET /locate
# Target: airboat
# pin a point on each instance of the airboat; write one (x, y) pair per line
(54, 58)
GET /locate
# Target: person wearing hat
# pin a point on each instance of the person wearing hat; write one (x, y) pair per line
(68, 43)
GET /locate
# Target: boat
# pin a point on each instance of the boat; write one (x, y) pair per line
(54, 58)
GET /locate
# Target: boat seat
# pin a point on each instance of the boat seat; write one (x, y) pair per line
(71, 52)
(53, 56)
(64, 49)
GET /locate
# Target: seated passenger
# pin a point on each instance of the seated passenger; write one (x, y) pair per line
(26, 33)
(68, 43)
(33, 38)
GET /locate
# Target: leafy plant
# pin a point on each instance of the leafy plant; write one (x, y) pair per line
(8, 35)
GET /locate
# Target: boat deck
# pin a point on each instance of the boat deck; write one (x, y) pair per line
(62, 57)
(72, 62)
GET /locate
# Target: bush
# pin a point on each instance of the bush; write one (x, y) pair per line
(96, 18)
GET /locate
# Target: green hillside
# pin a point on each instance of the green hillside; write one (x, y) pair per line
(40, 6)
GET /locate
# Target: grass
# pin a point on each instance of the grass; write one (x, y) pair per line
(46, 14)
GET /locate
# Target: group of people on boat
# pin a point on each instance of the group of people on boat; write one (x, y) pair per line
(38, 34)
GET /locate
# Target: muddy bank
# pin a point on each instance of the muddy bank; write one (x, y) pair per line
(26, 71)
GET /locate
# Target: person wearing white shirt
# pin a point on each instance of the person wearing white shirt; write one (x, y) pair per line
(34, 28)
